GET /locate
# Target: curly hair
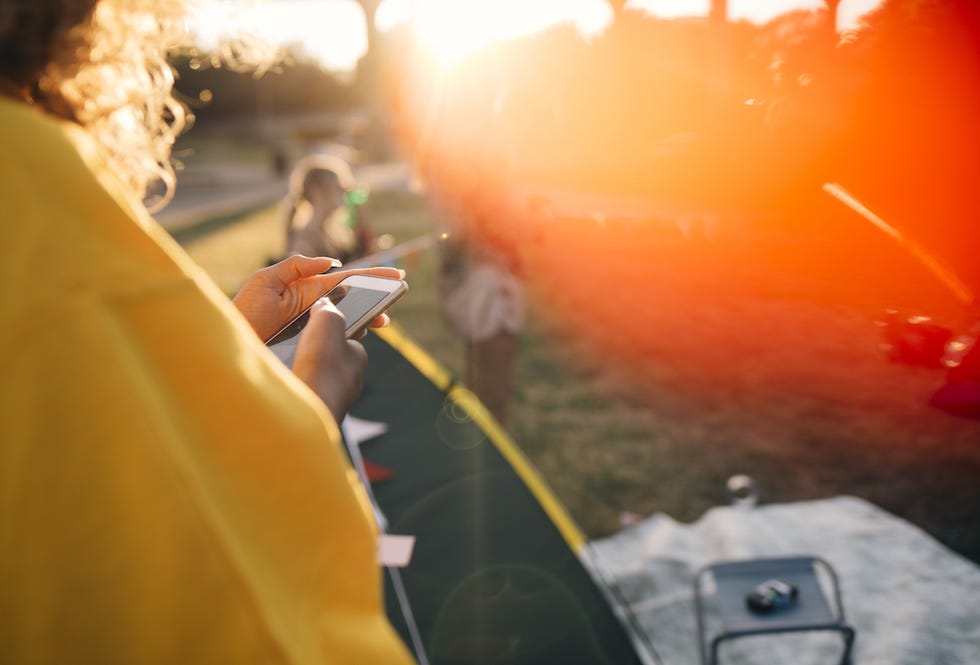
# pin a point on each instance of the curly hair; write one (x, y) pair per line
(103, 64)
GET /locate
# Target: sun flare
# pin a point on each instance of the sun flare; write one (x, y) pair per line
(451, 30)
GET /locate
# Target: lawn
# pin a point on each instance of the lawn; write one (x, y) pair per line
(661, 427)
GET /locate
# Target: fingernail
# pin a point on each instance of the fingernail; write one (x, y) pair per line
(337, 263)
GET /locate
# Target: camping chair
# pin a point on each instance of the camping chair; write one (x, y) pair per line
(807, 610)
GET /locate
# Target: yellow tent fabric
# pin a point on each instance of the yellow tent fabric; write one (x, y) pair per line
(497, 575)
(169, 493)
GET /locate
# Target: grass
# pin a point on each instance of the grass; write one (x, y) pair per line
(808, 416)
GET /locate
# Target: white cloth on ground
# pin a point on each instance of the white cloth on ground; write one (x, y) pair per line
(911, 600)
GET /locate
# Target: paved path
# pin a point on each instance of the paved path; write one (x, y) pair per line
(216, 190)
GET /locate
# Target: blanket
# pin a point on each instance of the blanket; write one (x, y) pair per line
(911, 600)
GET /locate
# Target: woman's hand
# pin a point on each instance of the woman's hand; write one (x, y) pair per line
(329, 363)
(274, 296)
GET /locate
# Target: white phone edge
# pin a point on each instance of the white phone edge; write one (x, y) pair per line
(396, 288)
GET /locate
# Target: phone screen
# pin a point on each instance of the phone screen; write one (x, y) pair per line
(354, 302)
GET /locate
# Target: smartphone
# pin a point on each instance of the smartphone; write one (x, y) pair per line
(360, 298)
(771, 595)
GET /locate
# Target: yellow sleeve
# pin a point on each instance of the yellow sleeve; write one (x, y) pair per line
(168, 492)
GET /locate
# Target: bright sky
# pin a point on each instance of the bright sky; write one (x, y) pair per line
(333, 31)
(756, 10)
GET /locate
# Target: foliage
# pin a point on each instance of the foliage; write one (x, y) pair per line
(296, 85)
(771, 110)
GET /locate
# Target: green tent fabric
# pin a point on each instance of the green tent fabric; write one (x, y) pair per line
(495, 576)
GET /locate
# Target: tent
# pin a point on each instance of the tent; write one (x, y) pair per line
(496, 575)
(500, 573)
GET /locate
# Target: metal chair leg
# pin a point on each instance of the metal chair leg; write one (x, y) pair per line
(848, 633)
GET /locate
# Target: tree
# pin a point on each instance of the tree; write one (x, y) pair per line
(369, 78)
(370, 9)
(617, 7)
(719, 11)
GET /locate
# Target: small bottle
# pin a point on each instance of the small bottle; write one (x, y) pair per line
(741, 491)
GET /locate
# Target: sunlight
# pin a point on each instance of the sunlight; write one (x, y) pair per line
(450, 30)
(332, 33)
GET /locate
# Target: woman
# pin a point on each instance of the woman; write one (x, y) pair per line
(325, 211)
(169, 492)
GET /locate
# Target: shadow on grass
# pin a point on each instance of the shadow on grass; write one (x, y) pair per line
(205, 227)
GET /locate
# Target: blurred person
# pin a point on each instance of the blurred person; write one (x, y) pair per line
(482, 296)
(325, 213)
(483, 302)
(169, 491)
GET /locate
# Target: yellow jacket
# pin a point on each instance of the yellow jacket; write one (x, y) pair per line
(169, 493)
